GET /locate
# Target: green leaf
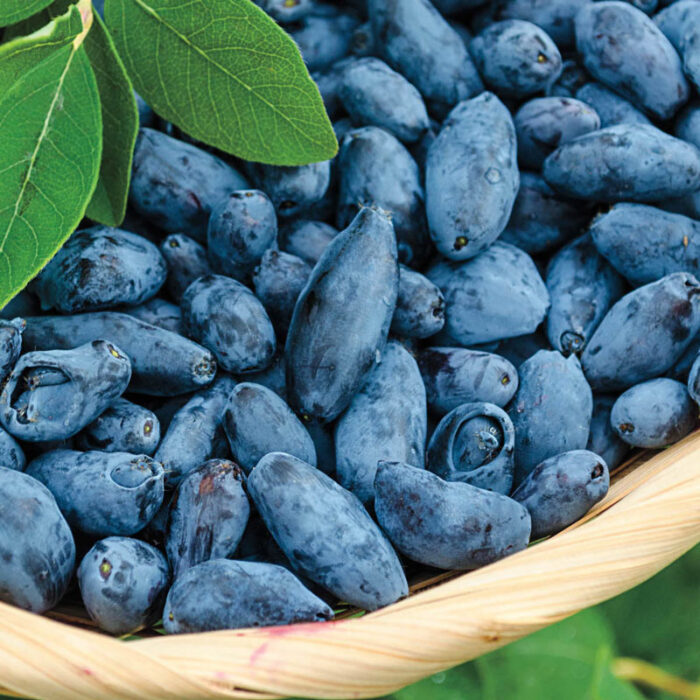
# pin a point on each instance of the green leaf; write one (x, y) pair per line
(120, 119)
(658, 620)
(119, 114)
(12, 11)
(50, 149)
(570, 660)
(226, 74)
(23, 53)
(459, 683)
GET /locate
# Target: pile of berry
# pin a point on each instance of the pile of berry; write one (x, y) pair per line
(277, 389)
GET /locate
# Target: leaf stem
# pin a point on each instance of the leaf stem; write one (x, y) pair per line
(642, 672)
(85, 8)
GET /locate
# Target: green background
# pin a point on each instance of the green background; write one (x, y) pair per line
(657, 622)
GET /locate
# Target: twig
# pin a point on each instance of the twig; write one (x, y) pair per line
(642, 672)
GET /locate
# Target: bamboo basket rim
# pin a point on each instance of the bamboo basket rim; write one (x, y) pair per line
(650, 517)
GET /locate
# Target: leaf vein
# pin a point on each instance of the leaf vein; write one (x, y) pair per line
(207, 58)
(35, 153)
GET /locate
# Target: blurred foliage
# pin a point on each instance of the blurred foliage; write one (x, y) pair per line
(570, 660)
(657, 622)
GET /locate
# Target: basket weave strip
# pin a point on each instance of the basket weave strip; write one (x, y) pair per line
(650, 517)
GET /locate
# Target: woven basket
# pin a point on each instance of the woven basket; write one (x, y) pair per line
(650, 517)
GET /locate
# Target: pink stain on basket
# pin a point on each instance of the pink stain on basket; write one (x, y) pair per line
(258, 653)
(283, 631)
